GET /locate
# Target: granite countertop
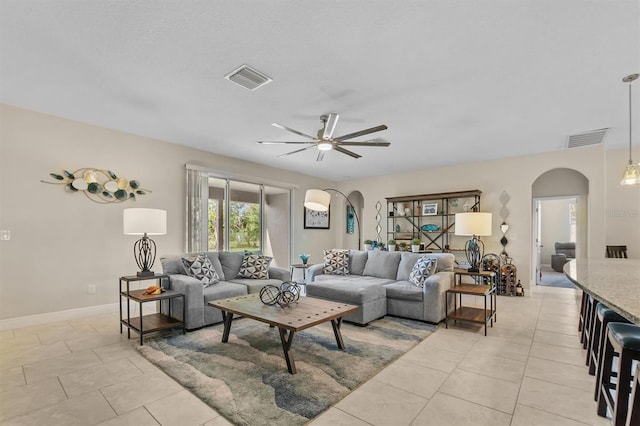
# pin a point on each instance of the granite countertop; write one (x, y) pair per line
(614, 282)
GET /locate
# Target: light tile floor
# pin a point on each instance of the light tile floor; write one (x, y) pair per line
(529, 370)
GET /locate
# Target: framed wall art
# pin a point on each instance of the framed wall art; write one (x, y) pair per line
(429, 209)
(316, 220)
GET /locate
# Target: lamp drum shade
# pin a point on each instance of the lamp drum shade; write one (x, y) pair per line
(138, 221)
(473, 223)
(317, 199)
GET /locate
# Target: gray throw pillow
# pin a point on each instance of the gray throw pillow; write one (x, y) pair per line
(255, 266)
(423, 269)
(336, 262)
(201, 268)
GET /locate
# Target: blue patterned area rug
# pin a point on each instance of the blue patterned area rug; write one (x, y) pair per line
(246, 379)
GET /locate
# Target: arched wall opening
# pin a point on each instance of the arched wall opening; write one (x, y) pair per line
(560, 213)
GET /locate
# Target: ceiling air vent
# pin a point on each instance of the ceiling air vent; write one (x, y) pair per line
(248, 77)
(592, 137)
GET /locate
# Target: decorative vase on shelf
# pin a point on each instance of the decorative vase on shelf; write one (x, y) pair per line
(392, 247)
(304, 258)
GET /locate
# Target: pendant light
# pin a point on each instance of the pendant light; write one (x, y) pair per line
(631, 175)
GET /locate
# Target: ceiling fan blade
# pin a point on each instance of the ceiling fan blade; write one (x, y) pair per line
(330, 126)
(362, 132)
(295, 152)
(364, 143)
(346, 151)
(320, 155)
(283, 142)
(280, 126)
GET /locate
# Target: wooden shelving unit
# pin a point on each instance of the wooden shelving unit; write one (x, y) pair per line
(407, 217)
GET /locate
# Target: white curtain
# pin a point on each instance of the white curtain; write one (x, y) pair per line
(196, 214)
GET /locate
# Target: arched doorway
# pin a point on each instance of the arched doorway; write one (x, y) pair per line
(559, 215)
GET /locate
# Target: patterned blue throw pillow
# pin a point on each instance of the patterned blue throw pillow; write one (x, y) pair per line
(423, 269)
(336, 262)
(202, 269)
(255, 266)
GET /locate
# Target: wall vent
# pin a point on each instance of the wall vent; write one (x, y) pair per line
(592, 137)
(248, 77)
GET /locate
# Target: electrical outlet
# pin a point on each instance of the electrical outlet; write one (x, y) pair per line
(5, 234)
(91, 289)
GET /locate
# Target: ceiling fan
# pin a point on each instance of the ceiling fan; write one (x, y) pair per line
(325, 141)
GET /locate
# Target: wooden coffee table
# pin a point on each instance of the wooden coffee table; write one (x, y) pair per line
(303, 314)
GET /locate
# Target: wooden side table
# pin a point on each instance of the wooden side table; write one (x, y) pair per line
(468, 313)
(147, 323)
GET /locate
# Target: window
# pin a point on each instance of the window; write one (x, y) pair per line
(237, 216)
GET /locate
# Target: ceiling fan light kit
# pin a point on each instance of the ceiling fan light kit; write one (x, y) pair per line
(324, 140)
(325, 146)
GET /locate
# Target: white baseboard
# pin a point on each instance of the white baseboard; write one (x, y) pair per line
(26, 321)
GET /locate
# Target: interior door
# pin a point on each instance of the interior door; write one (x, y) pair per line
(538, 239)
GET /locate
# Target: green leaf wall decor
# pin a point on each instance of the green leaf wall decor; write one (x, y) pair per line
(100, 186)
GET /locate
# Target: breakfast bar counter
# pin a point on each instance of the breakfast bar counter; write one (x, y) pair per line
(614, 282)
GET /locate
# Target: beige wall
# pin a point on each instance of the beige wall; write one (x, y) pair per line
(513, 175)
(622, 204)
(61, 243)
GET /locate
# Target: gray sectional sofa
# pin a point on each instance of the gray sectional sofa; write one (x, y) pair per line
(196, 296)
(378, 281)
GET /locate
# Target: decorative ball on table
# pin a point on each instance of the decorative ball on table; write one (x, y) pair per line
(304, 257)
(290, 292)
(269, 294)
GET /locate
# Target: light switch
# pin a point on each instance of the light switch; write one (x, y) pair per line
(5, 234)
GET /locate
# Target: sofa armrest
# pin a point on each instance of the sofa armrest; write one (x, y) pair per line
(434, 289)
(313, 270)
(192, 289)
(281, 274)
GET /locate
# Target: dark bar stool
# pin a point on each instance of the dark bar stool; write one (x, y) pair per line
(603, 317)
(589, 319)
(583, 307)
(622, 340)
(633, 418)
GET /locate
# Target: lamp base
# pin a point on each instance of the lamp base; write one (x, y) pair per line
(145, 274)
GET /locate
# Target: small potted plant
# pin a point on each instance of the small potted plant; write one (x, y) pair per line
(367, 244)
(402, 246)
(391, 245)
(380, 245)
(415, 245)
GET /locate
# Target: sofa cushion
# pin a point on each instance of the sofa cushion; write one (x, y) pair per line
(357, 260)
(423, 269)
(354, 291)
(404, 290)
(445, 263)
(201, 268)
(255, 266)
(336, 262)
(223, 290)
(407, 261)
(230, 263)
(254, 286)
(323, 277)
(382, 264)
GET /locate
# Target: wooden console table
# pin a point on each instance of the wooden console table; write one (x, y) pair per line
(468, 313)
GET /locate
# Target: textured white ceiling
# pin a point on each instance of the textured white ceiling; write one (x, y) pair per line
(455, 81)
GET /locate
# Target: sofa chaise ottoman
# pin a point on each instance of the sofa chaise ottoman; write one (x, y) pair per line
(378, 282)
